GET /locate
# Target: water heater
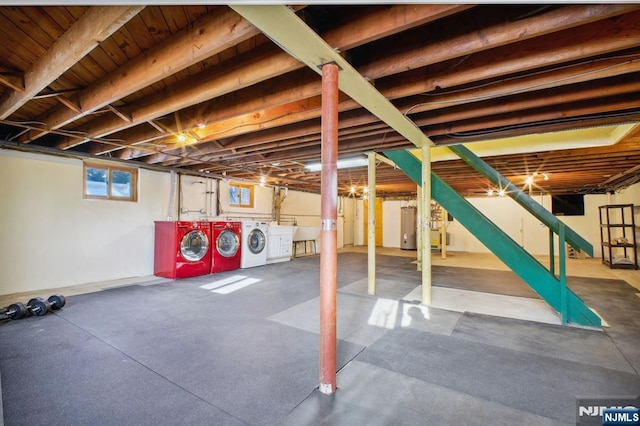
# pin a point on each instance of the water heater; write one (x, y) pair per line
(408, 228)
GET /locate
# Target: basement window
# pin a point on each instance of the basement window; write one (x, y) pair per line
(110, 182)
(240, 195)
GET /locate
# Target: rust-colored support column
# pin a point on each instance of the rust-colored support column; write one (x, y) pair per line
(329, 233)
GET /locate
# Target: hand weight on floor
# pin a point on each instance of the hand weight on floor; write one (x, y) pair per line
(38, 306)
(57, 301)
(16, 311)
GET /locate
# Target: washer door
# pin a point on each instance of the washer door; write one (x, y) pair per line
(194, 245)
(256, 241)
(227, 243)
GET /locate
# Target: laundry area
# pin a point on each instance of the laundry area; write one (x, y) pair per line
(321, 214)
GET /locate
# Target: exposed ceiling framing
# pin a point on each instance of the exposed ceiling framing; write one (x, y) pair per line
(200, 88)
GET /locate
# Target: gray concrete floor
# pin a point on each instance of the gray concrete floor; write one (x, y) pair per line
(241, 347)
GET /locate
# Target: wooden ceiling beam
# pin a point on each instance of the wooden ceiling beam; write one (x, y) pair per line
(557, 20)
(95, 26)
(212, 83)
(502, 87)
(517, 104)
(271, 63)
(572, 93)
(69, 103)
(12, 80)
(609, 67)
(549, 127)
(206, 37)
(534, 116)
(628, 33)
(389, 21)
(311, 134)
(263, 103)
(523, 85)
(373, 138)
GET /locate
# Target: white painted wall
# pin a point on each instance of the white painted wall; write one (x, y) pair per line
(197, 198)
(261, 210)
(304, 208)
(630, 195)
(301, 207)
(521, 226)
(52, 237)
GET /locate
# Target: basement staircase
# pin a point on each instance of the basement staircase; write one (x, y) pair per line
(543, 281)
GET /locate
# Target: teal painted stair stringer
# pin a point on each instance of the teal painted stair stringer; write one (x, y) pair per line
(505, 248)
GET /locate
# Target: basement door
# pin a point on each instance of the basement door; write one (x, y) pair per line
(378, 217)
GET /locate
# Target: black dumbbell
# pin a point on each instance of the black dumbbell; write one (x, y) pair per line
(57, 301)
(15, 311)
(38, 306)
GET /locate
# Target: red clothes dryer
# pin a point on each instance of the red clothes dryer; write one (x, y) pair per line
(227, 248)
(182, 249)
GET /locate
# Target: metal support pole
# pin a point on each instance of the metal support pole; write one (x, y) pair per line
(443, 233)
(564, 307)
(419, 234)
(371, 226)
(328, 235)
(426, 215)
(552, 252)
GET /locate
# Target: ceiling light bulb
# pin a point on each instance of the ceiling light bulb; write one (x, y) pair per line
(501, 193)
(365, 189)
(182, 137)
(201, 126)
(352, 190)
(490, 193)
(529, 180)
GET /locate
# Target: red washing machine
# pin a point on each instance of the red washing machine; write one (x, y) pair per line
(182, 249)
(227, 249)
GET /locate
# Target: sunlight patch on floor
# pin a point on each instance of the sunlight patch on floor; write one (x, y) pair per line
(230, 284)
(456, 300)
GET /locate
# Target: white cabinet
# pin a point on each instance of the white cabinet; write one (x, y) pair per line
(279, 243)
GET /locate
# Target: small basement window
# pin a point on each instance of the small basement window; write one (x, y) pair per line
(240, 195)
(110, 182)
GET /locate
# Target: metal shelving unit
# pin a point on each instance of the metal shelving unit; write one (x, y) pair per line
(618, 236)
